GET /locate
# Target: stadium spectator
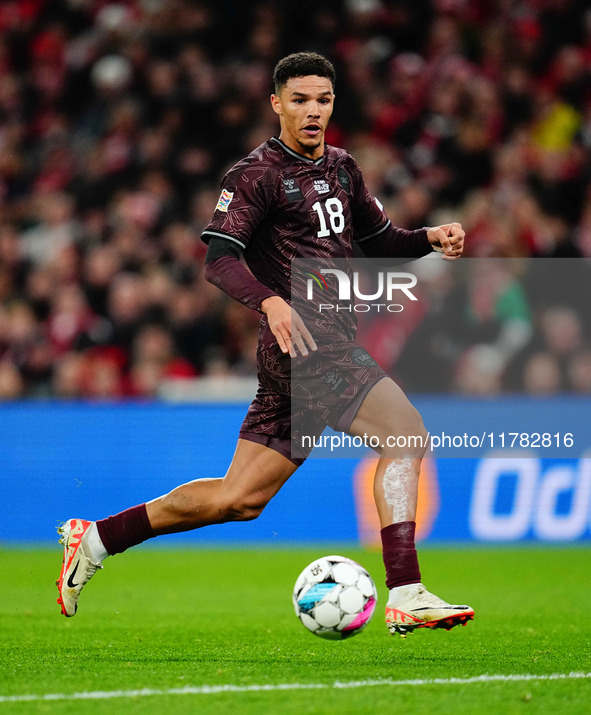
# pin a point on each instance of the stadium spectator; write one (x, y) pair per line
(542, 375)
(118, 119)
(579, 371)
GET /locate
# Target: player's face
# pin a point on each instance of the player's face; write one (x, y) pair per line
(304, 106)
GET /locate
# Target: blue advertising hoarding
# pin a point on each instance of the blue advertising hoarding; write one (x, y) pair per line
(59, 460)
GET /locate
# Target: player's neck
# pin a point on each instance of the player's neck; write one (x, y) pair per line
(312, 153)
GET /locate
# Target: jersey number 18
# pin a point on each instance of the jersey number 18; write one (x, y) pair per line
(334, 209)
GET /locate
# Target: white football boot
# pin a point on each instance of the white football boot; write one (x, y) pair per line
(413, 607)
(77, 567)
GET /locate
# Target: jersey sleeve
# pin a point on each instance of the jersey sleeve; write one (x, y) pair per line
(368, 215)
(224, 269)
(373, 230)
(247, 194)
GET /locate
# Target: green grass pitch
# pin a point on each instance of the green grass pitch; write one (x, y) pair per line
(163, 618)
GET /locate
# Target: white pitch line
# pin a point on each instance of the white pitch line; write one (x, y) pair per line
(216, 689)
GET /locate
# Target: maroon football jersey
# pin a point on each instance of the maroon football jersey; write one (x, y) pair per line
(278, 205)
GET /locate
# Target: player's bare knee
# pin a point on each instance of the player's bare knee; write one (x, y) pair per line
(408, 438)
(422, 436)
(415, 432)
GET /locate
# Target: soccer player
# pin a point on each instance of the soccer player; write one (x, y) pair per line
(293, 197)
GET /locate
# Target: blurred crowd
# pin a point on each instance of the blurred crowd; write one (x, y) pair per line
(488, 326)
(117, 120)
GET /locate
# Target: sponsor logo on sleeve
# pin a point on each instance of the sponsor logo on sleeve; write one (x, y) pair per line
(224, 200)
(321, 186)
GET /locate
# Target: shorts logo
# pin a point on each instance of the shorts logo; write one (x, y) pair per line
(292, 190)
(224, 200)
(335, 382)
(321, 186)
(362, 358)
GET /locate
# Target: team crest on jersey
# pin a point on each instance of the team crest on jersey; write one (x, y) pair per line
(224, 200)
(362, 358)
(321, 186)
(344, 179)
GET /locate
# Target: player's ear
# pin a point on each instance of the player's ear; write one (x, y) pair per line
(276, 103)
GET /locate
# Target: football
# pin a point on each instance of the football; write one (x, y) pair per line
(334, 597)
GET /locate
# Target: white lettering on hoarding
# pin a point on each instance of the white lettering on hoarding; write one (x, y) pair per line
(548, 524)
(485, 523)
(535, 506)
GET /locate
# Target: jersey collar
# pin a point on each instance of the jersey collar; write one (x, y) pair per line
(295, 154)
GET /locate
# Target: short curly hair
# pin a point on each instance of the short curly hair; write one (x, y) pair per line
(302, 64)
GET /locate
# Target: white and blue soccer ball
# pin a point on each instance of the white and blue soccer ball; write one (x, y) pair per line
(334, 597)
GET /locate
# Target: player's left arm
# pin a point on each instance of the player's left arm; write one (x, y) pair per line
(378, 238)
(393, 242)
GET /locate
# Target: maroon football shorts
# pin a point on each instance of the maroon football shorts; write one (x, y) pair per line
(298, 397)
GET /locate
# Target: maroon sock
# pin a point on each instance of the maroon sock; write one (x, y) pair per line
(128, 528)
(400, 554)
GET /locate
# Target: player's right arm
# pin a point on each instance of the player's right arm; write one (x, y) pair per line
(224, 269)
(244, 202)
(287, 327)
